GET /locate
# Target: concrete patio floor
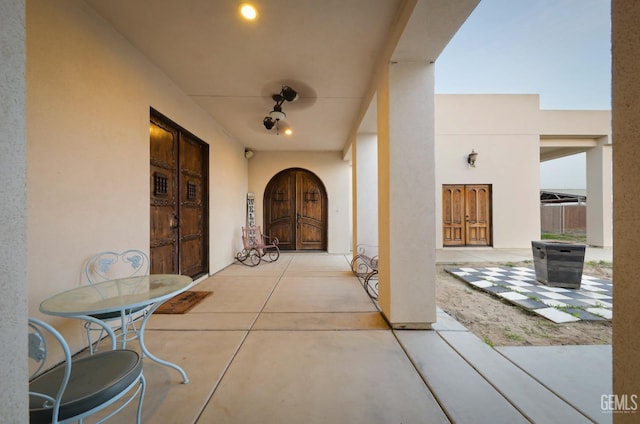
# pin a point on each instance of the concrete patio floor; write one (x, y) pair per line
(299, 341)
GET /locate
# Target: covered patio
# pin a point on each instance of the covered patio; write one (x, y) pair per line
(299, 340)
(75, 168)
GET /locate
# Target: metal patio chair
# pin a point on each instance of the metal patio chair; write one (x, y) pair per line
(108, 266)
(257, 247)
(77, 388)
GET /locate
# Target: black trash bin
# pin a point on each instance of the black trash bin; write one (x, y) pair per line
(558, 264)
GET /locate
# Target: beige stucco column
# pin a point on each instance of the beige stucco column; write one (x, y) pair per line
(599, 191)
(406, 193)
(625, 15)
(13, 212)
(366, 171)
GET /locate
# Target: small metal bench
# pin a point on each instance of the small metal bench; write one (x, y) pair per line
(365, 266)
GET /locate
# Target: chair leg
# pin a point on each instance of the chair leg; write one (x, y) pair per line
(139, 390)
(143, 385)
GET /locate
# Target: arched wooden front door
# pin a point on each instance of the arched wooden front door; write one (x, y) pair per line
(295, 210)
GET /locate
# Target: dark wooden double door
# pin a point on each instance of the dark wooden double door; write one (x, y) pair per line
(295, 210)
(466, 215)
(179, 200)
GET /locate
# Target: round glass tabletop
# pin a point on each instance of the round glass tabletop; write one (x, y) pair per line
(115, 295)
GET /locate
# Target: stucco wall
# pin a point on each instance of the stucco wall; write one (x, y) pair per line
(13, 203)
(504, 130)
(334, 172)
(588, 123)
(89, 95)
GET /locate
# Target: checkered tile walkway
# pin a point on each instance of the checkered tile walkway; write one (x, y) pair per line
(593, 301)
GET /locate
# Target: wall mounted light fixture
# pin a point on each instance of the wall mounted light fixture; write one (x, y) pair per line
(248, 154)
(471, 158)
(276, 115)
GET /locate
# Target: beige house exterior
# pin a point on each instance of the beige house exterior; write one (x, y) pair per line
(511, 135)
(76, 95)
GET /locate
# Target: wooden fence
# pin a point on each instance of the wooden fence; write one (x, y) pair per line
(563, 218)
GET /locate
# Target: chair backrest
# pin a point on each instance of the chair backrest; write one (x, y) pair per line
(253, 238)
(249, 238)
(56, 393)
(111, 265)
(38, 352)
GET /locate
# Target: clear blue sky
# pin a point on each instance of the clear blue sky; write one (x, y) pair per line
(559, 49)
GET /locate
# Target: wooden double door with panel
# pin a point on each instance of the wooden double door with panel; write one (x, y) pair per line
(295, 210)
(179, 200)
(466, 215)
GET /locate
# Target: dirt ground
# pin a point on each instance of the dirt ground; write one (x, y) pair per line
(500, 323)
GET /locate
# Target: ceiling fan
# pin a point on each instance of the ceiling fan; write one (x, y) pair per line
(276, 115)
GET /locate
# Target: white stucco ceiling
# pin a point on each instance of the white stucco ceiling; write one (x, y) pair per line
(326, 50)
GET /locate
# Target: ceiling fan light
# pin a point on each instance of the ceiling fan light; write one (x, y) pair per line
(289, 93)
(268, 122)
(277, 115)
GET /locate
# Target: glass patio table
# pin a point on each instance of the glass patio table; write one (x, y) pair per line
(120, 295)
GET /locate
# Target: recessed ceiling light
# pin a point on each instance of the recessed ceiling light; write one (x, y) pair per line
(248, 11)
(288, 131)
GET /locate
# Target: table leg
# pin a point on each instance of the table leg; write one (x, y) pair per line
(185, 379)
(124, 328)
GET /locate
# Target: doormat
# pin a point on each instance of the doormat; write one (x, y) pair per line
(593, 301)
(183, 302)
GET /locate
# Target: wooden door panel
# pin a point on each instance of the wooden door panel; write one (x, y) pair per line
(453, 215)
(192, 190)
(453, 236)
(190, 223)
(191, 242)
(163, 145)
(310, 198)
(280, 210)
(161, 226)
(281, 207)
(191, 254)
(164, 201)
(163, 259)
(311, 211)
(477, 209)
(284, 233)
(311, 236)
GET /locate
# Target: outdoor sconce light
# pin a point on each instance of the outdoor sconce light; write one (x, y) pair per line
(471, 158)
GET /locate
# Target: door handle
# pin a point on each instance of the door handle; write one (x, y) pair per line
(173, 224)
(298, 219)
